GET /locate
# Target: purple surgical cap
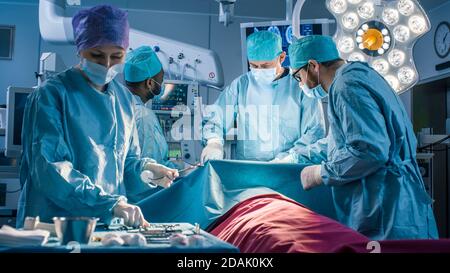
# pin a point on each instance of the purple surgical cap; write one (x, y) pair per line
(101, 25)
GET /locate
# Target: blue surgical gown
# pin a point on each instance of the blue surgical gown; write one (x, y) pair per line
(371, 166)
(151, 137)
(81, 152)
(273, 120)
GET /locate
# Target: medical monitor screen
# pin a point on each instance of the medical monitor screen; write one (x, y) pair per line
(173, 94)
(174, 150)
(19, 107)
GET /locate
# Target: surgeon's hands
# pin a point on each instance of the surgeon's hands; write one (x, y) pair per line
(131, 214)
(162, 175)
(310, 177)
(212, 151)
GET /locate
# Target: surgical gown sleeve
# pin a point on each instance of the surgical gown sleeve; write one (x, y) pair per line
(136, 189)
(52, 168)
(217, 121)
(308, 148)
(363, 128)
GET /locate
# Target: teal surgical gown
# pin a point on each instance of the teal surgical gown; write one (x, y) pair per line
(273, 120)
(371, 166)
(80, 150)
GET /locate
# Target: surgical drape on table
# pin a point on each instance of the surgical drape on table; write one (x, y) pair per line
(210, 191)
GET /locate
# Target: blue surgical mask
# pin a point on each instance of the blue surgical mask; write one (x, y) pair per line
(264, 76)
(99, 74)
(317, 92)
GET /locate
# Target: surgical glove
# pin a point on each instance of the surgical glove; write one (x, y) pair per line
(131, 214)
(161, 175)
(287, 159)
(310, 177)
(212, 151)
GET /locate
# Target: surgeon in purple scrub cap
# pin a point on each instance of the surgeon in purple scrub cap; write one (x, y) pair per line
(81, 155)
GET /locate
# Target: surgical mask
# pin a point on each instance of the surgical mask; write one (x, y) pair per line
(317, 92)
(264, 76)
(161, 88)
(99, 74)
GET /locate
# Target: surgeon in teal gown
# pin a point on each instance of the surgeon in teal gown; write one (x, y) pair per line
(81, 153)
(275, 120)
(371, 162)
(144, 76)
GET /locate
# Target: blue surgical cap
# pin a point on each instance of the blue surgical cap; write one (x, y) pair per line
(141, 64)
(100, 25)
(314, 47)
(263, 46)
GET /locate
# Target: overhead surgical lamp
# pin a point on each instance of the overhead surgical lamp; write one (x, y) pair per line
(380, 32)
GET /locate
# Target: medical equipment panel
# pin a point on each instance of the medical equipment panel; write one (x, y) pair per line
(176, 109)
(16, 100)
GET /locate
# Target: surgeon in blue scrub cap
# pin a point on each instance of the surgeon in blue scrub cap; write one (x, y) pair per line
(144, 76)
(81, 154)
(275, 120)
(371, 162)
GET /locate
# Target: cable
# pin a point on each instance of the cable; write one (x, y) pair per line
(184, 71)
(214, 87)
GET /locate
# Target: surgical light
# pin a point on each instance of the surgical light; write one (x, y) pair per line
(346, 44)
(338, 6)
(366, 10)
(350, 20)
(393, 82)
(396, 57)
(406, 75)
(401, 33)
(384, 36)
(371, 38)
(390, 16)
(406, 7)
(417, 24)
(381, 66)
(356, 57)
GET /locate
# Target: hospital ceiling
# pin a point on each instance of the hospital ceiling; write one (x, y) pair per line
(243, 7)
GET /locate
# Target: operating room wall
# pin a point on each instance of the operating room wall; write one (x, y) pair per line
(430, 106)
(19, 71)
(430, 110)
(424, 52)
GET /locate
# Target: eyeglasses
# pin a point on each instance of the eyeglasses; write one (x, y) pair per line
(297, 77)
